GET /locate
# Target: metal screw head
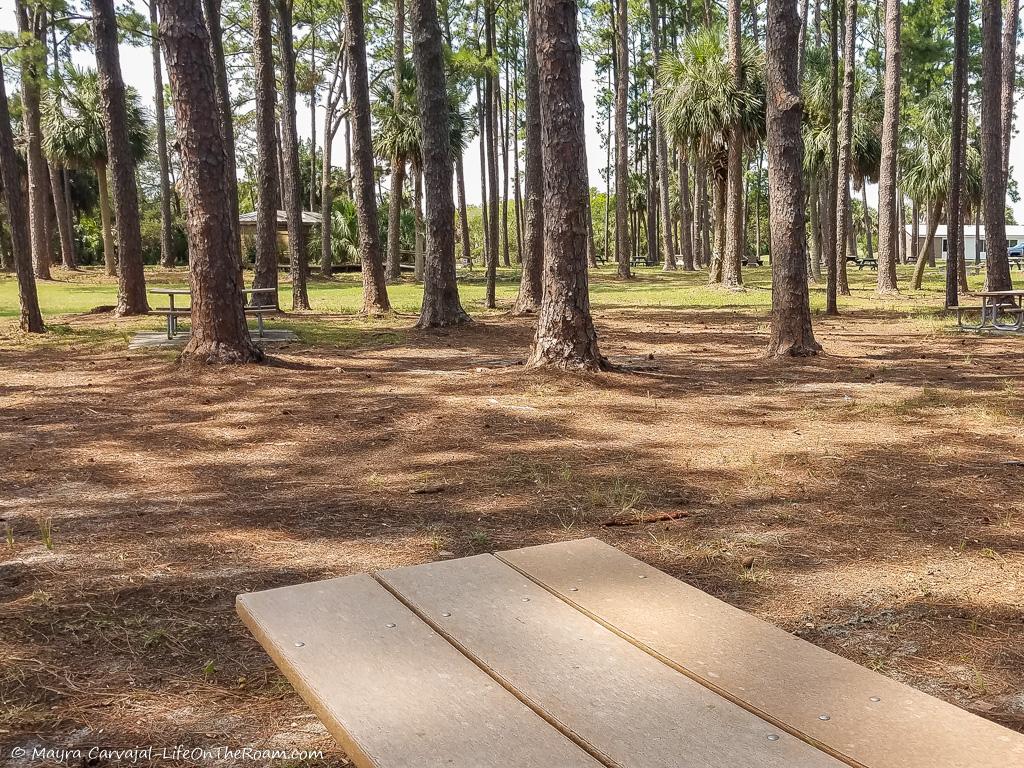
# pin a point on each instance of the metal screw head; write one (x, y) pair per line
(875, 698)
(574, 589)
(390, 626)
(824, 717)
(526, 599)
(299, 645)
(773, 737)
(446, 614)
(643, 577)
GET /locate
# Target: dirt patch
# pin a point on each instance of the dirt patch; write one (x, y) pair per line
(866, 500)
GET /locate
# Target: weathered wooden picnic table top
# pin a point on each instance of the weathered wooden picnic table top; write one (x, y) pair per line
(576, 655)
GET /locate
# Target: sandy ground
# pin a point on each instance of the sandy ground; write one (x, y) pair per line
(874, 488)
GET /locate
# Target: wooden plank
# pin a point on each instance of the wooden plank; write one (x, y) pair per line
(865, 718)
(621, 704)
(391, 690)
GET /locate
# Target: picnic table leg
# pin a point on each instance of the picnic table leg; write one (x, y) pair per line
(172, 326)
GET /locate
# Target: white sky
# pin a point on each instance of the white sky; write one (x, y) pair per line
(136, 65)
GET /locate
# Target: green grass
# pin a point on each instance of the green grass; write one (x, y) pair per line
(71, 294)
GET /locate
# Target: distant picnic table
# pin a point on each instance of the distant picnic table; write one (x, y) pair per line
(998, 311)
(576, 655)
(173, 313)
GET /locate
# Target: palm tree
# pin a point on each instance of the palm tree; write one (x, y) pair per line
(926, 164)
(700, 102)
(73, 136)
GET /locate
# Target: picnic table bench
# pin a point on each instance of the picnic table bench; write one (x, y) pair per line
(575, 655)
(173, 313)
(995, 309)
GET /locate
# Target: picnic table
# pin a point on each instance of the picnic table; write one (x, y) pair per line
(575, 655)
(995, 308)
(173, 313)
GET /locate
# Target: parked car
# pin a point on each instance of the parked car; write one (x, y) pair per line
(1016, 251)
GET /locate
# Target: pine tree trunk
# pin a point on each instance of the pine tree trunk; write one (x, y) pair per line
(375, 292)
(503, 113)
(685, 214)
(460, 183)
(565, 336)
(418, 244)
(64, 226)
(867, 220)
(622, 243)
(131, 282)
(17, 217)
(441, 305)
(791, 332)
(219, 332)
(393, 270)
(830, 229)
(927, 247)
(490, 98)
(731, 276)
(1011, 22)
(843, 217)
(955, 229)
(516, 187)
(166, 220)
(30, 23)
(720, 196)
(106, 218)
(530, 288)
(814, 207)
(267, 180)
(661, 148)
(292, 181)
(211, 10)
(993, 190)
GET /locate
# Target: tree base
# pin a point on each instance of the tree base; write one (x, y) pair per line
(794, 349)
(217, 353)
(444, 320)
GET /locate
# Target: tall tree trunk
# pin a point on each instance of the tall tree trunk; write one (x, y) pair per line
(791, 332)
(731, 276)
(719, 198)
(484, 207)
(460, 183)
(492, 162)
(622, 246)
(845, 142)
(993, 190)
(31, 319)
(530, 287)
(131, 280)
(516, 188)
(211, 10)
(1008, 76)
(394, 263)
(219, 332)
(867, 219)
(955, 230)
(833, 245)
(565, 331)
(441, 305)
(166, 220)
(685, 214)
(375, 292)
(106, 218)
(418, 244)
(814, 206)
(267, 180)
(64, 227)
(927, 247)
(290, 150)
(664, 179)
(33, 66)
(503, 102)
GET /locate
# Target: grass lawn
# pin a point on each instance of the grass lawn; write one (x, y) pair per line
(870, 500)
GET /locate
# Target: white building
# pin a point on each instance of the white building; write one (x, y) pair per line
(973, 238)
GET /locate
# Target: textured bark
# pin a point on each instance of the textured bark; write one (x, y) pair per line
(502, 110)
(375, 292)
(530, 290)
(993, 189)
(393, 269)
(1011, 21)
(565, 336)
(814, 207)
(869, 246)
(622, 245)
(17, 217)
(791, 333)
(830, 229)
(219, 332)
(211, 10)
(106, 218)
(332, 122)
(131, 280)
(33, 24)
(292, 181)
(845, 141)
(661, 148)
(166, 220)
(490, 97)
(719, 196)
(418, 244)
(733, 252)
(441, 306)
(460, 183)
(64, 227)
(267, 181)
(956, 166)
(685, 215)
